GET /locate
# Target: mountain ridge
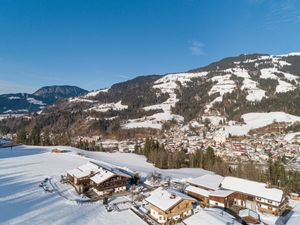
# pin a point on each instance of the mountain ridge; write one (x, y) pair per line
(226, 89)
(20, 103)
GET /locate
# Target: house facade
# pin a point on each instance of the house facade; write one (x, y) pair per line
(255, 195)
(106, 182)
(168, 206)
(221, 198)
(99, 179)
(202, 187)
(79, 177)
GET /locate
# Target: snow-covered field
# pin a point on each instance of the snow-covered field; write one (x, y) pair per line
(295, 214)
(22, 201)
(254, 93)
(257, 120)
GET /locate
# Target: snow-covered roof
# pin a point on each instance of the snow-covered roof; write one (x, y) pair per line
(89, 167)
(78, 173)
(221, 193)
(252, 188)
(213, 216)
(102, 176)
(209, 181)
(198, 191)
(166, 198)
(101, 172)
(84, 170)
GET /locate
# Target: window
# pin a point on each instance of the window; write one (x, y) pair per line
(258, 198)
(270, 208)
(269, 201)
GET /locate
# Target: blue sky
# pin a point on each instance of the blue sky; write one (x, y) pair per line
(93, 44)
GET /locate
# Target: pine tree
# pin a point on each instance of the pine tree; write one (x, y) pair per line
(21, 136)
(35, 135)
(46, 139)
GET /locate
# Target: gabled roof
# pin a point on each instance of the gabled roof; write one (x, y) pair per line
(90, 166)
(100, 171)
(221, 193)
(102, 176)
(252, 188)
(78, 173)
(166, 198)
(84, 170)
(209, 181)
(198, 191)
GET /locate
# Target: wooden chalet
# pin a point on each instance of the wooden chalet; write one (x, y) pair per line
(209, 182)
(201, 187)
(167, 206)
(255, 195)
(200, 194)
(221, 198)
(101, 180)
(80, 177)
(106, 182)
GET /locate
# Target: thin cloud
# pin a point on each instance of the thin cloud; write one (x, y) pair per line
(196, 48)
(282, 12)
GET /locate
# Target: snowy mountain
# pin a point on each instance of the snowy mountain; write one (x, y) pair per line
(245, 83)
(23, 103)
(56, 92)
(226, 90)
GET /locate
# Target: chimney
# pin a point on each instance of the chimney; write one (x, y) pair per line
(172, 196)
(269, 184)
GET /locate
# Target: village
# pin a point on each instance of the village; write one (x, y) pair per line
(161, 200)
(258, 146)
(158, 199)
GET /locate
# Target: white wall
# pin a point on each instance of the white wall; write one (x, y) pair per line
(157, 216)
